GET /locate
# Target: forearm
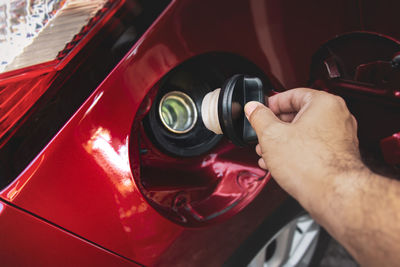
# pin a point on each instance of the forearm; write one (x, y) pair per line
(362, 212)
(314, 156)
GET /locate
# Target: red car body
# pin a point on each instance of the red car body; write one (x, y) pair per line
(78, 202)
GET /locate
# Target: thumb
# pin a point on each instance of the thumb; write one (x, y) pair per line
(259, 116)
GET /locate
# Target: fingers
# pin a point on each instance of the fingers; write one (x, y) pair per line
(290, 101)
(287, 117)
(260, 116)
(261, 163)
(258, 150)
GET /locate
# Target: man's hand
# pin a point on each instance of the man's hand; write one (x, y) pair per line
(306, 138)
(308, 141)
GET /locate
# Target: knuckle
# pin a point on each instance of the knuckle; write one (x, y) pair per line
(306, 90)
(323, 94)
(333, 101)
(340, 100)
(354, 121)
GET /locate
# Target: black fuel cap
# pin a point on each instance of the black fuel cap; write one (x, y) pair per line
(235, 93)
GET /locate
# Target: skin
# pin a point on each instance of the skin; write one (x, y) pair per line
(308, 141)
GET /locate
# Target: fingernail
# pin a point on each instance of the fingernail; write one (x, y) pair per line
(250, 107)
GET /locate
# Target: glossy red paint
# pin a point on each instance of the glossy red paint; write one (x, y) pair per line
(83, 181)
(17, 97)
(28, 241)
(199, 190)
(22, 88)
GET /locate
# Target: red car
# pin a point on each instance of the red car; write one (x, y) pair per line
(105, 159)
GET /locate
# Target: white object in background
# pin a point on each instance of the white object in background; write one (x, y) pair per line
(33, 32)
